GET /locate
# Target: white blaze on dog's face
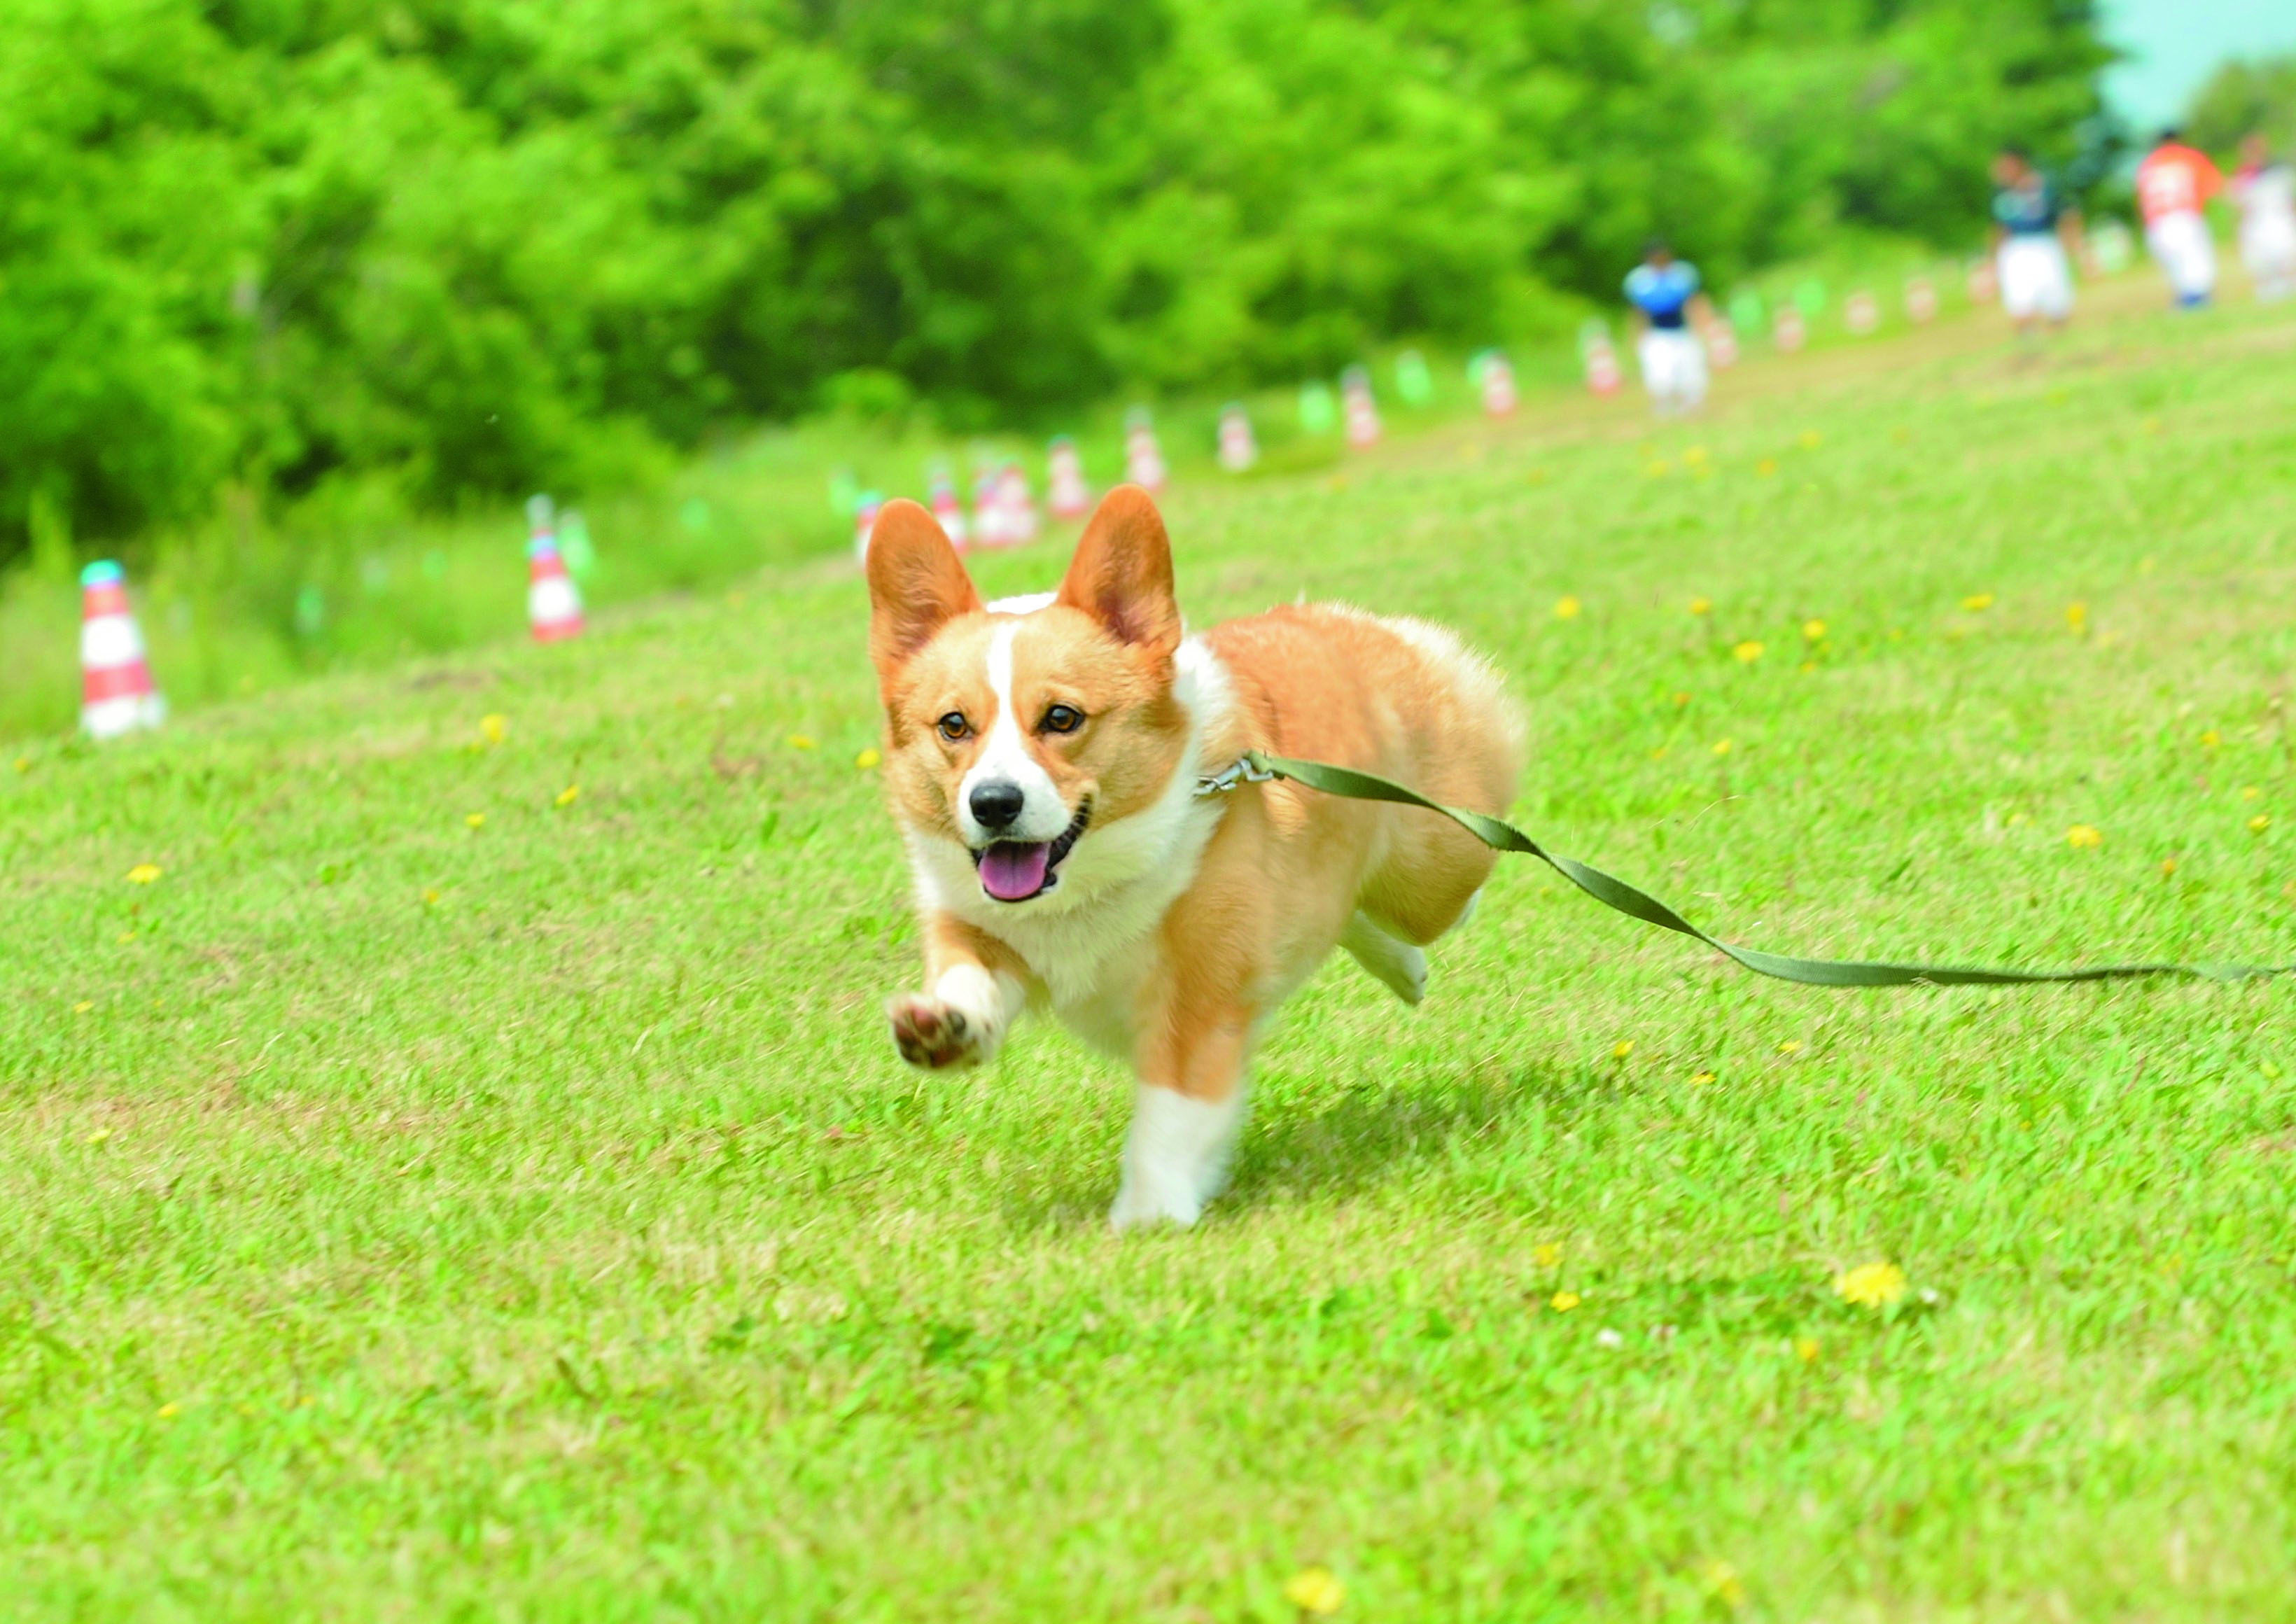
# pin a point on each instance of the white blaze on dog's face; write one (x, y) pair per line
(1016, 735)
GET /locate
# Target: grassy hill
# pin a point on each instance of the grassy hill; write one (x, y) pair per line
(469, 1178)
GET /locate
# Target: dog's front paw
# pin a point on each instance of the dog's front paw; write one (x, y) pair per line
(934, 1034)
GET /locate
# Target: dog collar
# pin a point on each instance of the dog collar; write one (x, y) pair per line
(1244, 770)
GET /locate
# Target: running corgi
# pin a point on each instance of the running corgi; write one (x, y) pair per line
(1047, 761)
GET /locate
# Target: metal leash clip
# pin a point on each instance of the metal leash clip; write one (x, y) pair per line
(1244, 769)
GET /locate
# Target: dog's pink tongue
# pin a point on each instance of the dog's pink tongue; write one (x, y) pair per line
(1010, 870)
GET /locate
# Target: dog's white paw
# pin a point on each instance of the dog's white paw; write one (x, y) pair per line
(1141, 1202)
(1176, 1157)
(935, 1034)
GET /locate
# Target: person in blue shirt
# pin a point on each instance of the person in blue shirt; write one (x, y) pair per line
(2034, 231)
(1667, 310)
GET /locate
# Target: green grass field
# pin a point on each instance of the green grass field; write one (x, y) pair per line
(425, 1199)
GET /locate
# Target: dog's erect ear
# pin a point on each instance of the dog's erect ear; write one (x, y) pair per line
(1122, 572)
(916, 586)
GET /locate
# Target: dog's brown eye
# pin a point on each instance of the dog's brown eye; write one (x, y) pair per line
(953, 727)
(1063, 718)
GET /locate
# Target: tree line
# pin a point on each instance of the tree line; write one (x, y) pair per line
(477, 246)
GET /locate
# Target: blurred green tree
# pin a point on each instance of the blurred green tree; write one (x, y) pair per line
(473, 246)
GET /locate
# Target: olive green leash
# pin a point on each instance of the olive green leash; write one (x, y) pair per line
(1256, 767)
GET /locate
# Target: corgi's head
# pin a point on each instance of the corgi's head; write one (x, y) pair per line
(1028, 734)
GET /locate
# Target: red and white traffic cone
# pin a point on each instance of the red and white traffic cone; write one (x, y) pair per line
(1602, 368)
(115, 692)
(1862, 311)
(1067, 494)
(1921, 299)
(1984, 282)
(1789, 332)
(1721, 343)
(1144, 458)
(1239, 448)
(1497, 381)
(864, 520)
(1018, 504)
(553, 608)
(1357, 408)
(947, 512)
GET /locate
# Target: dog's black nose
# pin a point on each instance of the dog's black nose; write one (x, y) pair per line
(996, 803)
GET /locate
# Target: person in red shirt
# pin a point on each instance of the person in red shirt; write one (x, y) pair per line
(2173, 184)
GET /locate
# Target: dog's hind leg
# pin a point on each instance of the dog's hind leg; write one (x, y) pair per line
(1399, 964)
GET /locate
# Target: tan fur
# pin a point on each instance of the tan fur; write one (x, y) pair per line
(1194, 918)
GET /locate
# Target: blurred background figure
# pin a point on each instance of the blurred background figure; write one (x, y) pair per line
(2264, 190)
(1664, 293)
(2035, 232)
(2173, 184)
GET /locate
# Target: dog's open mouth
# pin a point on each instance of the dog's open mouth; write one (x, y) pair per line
(1014, 871)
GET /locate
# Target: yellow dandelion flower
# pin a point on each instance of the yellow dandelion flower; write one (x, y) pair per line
(1566, 609)
(2082, 837)
(1694, 455)
(1767, 467)
(1813, 629)
(2077, 618)
(568, 796)
(1721, 1583)
(1721, 747)
(1871, 1285)
(866, 760)
(1791, 1045)
(144, 874)
(23, 764)
(1806, 666)
(83, 1006)
(1681, 697)
(1701, 606)
(1659, 468)
(1978, 601)
(2259, 823)
(1811, 439)
(1622, 1048)
(2168, 867)
(1314, 1590)
(98, 1135)
(797, 741)
(430, 896)
(170, 1410)
(495, 727)
(2211, 738)
(1700, 1079)
(125, 937)
(1562, 1302)
(476, 820)
(2249, 792)
(1806, 1349)
(1658, 754)
(1746, 652)
(1547, 1254)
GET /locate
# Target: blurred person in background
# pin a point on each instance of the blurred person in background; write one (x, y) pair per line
(1664, 293)
(2035, 233)
(2264, 190)
(2173, 184)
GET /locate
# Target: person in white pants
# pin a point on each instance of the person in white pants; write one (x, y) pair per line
(2264, 190)
(2173, 184)
(1664, 293)
(2035, 232)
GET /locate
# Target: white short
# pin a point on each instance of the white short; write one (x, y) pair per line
(1674, 365)
(2180, 241)
(2035, 279)
(2267, 247)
